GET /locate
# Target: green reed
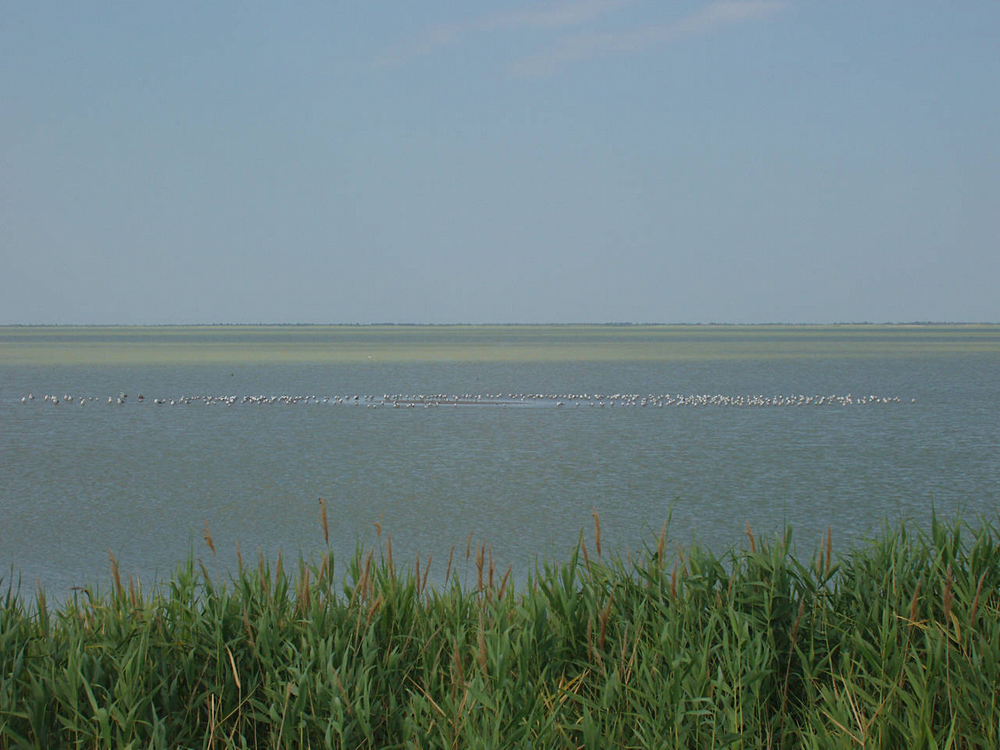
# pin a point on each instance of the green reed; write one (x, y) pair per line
(895, 643)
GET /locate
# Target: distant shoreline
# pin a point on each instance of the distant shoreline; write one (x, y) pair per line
(905, 324)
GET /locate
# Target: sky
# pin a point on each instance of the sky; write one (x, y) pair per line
(563, 161)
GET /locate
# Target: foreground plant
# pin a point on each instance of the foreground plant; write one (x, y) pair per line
(896, 644)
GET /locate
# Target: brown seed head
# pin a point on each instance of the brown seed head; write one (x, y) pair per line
(322, 518)
(208, 539)
(597, 532)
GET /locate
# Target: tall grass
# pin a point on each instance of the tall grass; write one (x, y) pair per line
(893, 644)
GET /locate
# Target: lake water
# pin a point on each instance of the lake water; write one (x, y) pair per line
(142, 479)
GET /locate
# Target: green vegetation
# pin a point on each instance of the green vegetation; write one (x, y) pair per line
(894, 644)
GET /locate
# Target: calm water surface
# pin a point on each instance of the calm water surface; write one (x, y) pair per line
(143, 480)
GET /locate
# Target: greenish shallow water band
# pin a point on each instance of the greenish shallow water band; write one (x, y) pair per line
(193, 345)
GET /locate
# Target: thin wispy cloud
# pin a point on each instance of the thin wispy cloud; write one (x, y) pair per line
(554, 16)
(577, 48)
(562, 17)
(549, 16)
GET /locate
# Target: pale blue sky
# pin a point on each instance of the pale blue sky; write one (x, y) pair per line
(441, 162)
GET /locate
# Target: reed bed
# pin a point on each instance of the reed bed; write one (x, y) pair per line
(894, 643)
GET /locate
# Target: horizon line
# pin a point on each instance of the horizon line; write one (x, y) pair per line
(612, 324)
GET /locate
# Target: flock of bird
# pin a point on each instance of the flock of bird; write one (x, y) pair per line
(410, 401)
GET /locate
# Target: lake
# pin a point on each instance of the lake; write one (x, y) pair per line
(765, 425)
